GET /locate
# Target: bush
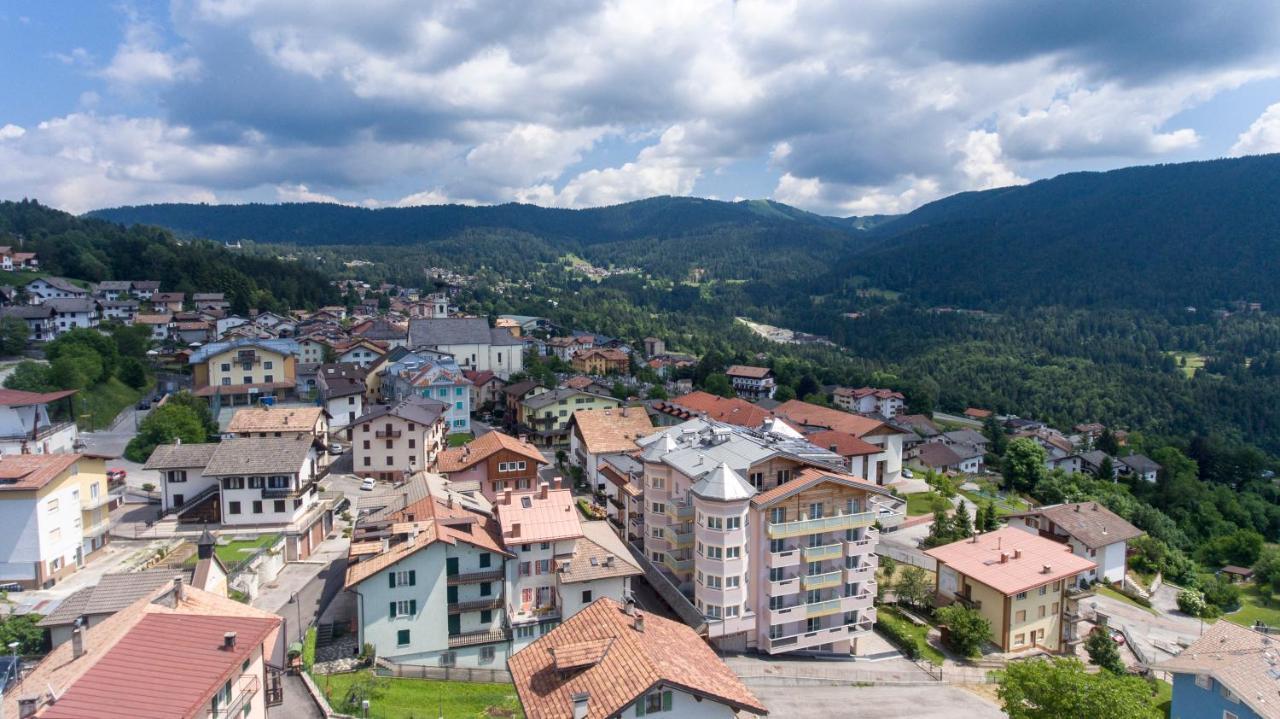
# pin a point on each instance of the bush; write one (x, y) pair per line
(133, 372)
(309, 649)
(1221, 593)
(1192, 602)
(967, 629)
(898, 635)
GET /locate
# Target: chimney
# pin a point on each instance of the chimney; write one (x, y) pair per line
(177, 441)
(27, 707)
(229, 641)
(542, 490)
(608, 560)
(1004, 557)
(77, 643)
(580, 701)
(1077, 508)
(1017, 554)
(639, 623)
(1047, 569)
(999, 542)
(624, 411)
(629, 607)
(506, 496)
(179, 589)
(515, 530)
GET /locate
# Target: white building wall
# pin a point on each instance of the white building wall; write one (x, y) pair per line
(344, 410)
(59, 532)
(685, 705)
(617, 588)
(195, 483)
(20, 541)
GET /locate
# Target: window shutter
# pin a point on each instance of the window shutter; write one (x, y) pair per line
(666, 701)
(393, 610)
(391, 577)
(413, 607)
(640, 706)
(413, 577)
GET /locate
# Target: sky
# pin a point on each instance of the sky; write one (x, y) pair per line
(843, 108)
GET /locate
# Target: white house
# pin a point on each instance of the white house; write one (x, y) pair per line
(182, 478)
(25, 426)
(342, 389)
(71, 313)
(51, 288)
(39, 319)
(1139, 466)
(866, 400)
(265, 480)
(595, 434)
(52, 508)
(474, 344)
(122, 311)
(1090, 529)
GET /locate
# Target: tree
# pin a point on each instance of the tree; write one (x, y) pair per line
(619, 392)
(169, 421)
(132, 372)
(719, 384)
(1106, 470)
(988, 518)
(1108, 443)
(912, 587)
(784, 393)
(1267, 569)
(967, 629)
(1023, 464)
(13, 335)
(961, 527)
(995, 434)
(30, 376)
(76, 367)
(1221, 594)
(131, 340)
(889, 565)
(939, 530)
(808, 385)
(657, 391)
(1103, 652)
(201, 409)
(1060, 687)
(1191, 601)
(1241, 547)
(22, 628)
(94, 341)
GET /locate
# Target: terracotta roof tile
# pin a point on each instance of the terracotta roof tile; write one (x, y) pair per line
(533, 517)
(812, 415)
(32, 471)
(275, 419)
(592, 552)
(843, 443)
(979, 559)
(1238, 658)
(742, 370)
(606, 431)
(730, 410)
(1090, 522)
(456, 459)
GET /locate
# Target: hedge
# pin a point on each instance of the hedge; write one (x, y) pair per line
(309, 649)
(908, 643)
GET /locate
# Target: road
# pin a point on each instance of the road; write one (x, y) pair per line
(1159, 636)
(874, 702)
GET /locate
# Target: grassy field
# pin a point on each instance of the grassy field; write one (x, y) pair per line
(1164, 696)
(890, 615)
(1008, 505)
(1188, 362)
(97, 407)
(421, 698)
(232, 553)
(457, 440)
(920, 503)
(1257, 604)
(1109, 592)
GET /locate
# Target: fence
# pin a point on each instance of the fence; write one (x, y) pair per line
(448, 674)
(903, 556)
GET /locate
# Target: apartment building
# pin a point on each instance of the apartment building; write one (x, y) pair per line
(241, 371)
(26, 427)
(545, 416)
(764, 534)
(42, 289)
(392, 441)
(56, 509)
(752, 382)
(867, 400)
(600, 361)
(39, 319)
(883, 468)
(492, 464)
(1092, 532)
(74, 313)
(595, 434)
(1019, 582)
(311, 423)
(434, 377)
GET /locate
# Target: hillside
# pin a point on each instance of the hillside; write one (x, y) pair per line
(1199, 233)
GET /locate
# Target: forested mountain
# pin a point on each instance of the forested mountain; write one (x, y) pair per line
(95, 250)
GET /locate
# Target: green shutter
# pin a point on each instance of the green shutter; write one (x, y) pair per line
(666, 701)
(393, 610)
(413, 577)
(640, 706)
(391, 578)
(413, 607)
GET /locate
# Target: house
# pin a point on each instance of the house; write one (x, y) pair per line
(55, 509)
(392, 441)
(598, 361)
(1228, 672)
(342, 390)
(10, 260)
(434, 377)
(514, 394)
(72, 313)
(181, 653)
(1093, 460)
(486, 388)
(978, 414)
(54, 288)
(242, 371)
(313, 350)
(599, 433)
(386, 333)
(161, 325)
(586, 384)
(972, 438)
(360, 353)
(1092, 532)
(111, 289)
(182, 479)
(122, 311)
(715, 494)
(167, 301)
(429, 572)
(1018, 581)
(309, 422)
(545, 416)
(472, 342)
(27, 428)
(1071, 463)
(858, 454)
(752, 382)
(884, 468)
(92, 605)
(704, 404)
(654, 347)
(210, 301)
(223, 325)
(866, 400)
(1140, 467)
(193, 332)
(492, 463)
(39, 319)
(566, 347)
(144, 290)
(613, 660)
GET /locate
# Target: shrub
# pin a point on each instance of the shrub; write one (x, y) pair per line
(898, 635)
(967, 629)
(309, 649)
(1221, 593)
(1192, 602)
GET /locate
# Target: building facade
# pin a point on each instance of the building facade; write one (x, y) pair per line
(391, 441)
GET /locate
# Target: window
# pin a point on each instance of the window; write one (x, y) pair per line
(545, 546)
(1040, 611)
(775, 574)
(812, 624)
(257, 482)
(525, 547)
(814, 568)
(525, 568)
(279, 506)
(233, 483)
(1043, 590)
(367, 460)
(784, 476)
(542, 566)
(53, 504)
(226, 381)
(777, 545)
(404, 608)
(732, 552)
(486, 560)
(659, 508)
(390, 460)
(226, 366)
(404, 579)
(715, 552)
(731, 582)
(586, 596)
(257, 506)
(713, 581)
(486, 616)
(715, 523)
(655, 532)
(1020, 616)
(413, 443)
(1020, 596)
(486, 655)
(1019, 639)
(486, 589)
(233, 508)
(656, 482)
(366, 444)
(1204, 681)
(268, 378)
(267, 365)
(757, 480)
(524, 632)
(402, 638)
(733, 523)
(448, 659)
(815, 510)
(778, 515)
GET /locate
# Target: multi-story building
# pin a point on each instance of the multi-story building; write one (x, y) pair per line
(866, 400)
(241, 371)
(598, 361)
(360, 352)
(343, 391)
(472, 342)
(39, 319)
(1228, 672)
(883, 468)
(122, 311)
(56, 509)
(26, 427)
(545, 416)
(74, 313)
(161, 325)
(752, 382)
(392, 441)
(596, 434)
(182, 479)
(1092, 532)
(1019, 582)
(309, 422)
(434, 377)
(765, 534)
(54, 288)
(492, 464)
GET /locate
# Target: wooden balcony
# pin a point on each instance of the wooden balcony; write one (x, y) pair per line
(467, 639)
(387, 434)
(494, 575)
(475, 605)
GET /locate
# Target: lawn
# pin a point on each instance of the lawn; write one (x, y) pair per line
(236, 551)
(1256, 605)
(920, 503)
(1109, 592)
(421, 698)
(1164, 696)
(457, 440)
(97, 407)
(1008, 505)
(1188, 362)
(890, 615)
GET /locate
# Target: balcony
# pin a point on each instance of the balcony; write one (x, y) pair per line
(678, 566)
(824, 608)
(822, 581)
(387, 434)
(91, 503)
(789, 558)
(683, 539)
(522, 615)
(616, 502)
(242, 691)
(855, 547)
(838, 523)
(44, 432)
(857, 602)
(859, 574)
(98, 529)
(494, 575)
(827, 551)
(783, 587)
(487, 636)
(475, 605)
(804, 640)
(680, 511)
(968, 602)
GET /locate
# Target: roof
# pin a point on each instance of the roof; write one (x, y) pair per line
(279, 346)
(815, 416)
(181, 658)
(27, 312)
(208, 296)
(614, 664)
(480, 378)
(146, 285)
(112, 593)
(19, 472)
(937, 454)
(605, 431)
(259, 455)
(115, 285)
(19, 398)
(457, 331)
(976, 413)
(539, 401)
(843, 443)
(1091, 523)
(168, 297)
(181, 456)
(592, 552)
(609, 355)
(742, 370)
(152, 319)
(456, 459)
(533, 517)
(1238, 658)
(71, 304)
(722, 484)
(1140, 463)
(919, 424)
(722, 409)
(275, 419)
(811, 477)
(411, 409)
(520, 388)
(1027, 556)
(967, 436)
(61, 283)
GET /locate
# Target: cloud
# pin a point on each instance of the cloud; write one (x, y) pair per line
(139, 60)
(983, 162)
(1262, 137)
(10, 132)
(301, 193)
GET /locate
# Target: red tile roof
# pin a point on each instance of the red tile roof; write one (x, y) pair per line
(456, 459)
(1026, 558)
(20, 472)
(532, 517)
(600, 652)
(722, 409)
(812, 415)
(810, 477)
(843, 443)
(743, 370)
(18, 398)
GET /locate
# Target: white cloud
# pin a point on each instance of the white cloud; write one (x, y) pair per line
(298, 192)
(9, 132)
(983, 163)
(139, 60)
(1262, 137)
(660, 169)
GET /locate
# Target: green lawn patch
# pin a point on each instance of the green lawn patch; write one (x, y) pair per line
(1109, 592)
(97, 407)
(1188, 362)
(920, 503)
(891, 616)
(1164, 696)
(1008, 505)
(420, 698)
(1257, 604)
(457, 440)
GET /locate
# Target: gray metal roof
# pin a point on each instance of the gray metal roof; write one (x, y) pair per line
(723, 484)
(456, 331)
(412, 408)
(71, 304)
(180, 456)
(701, 445)
(259, 455)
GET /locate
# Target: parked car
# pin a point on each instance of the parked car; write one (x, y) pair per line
(336, 448)
(368, 484)
(116, 474)
(144, 404)
(907, 473)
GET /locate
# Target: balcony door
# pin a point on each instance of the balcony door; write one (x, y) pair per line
(455, 624)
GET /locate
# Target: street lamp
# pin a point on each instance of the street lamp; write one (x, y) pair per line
(13, 667)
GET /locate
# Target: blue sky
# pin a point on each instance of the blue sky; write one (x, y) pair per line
(841, 108)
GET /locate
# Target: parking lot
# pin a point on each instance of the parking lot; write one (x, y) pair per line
(878, 702)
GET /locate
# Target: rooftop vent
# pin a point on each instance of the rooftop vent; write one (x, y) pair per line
(229, 641)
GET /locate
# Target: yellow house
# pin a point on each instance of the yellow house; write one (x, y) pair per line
(1018, 581)
(545, 417)
(240, 371)
(55, 507)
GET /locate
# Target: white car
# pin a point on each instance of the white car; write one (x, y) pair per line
(907, 473)
(336, 448)
(368, 484)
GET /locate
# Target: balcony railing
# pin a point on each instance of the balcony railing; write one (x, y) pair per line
(968, 602)
(840, 522)
(789, 558)
(475, 605)
(679, 566)
(41, 433)
(475, 577)
(859, 574)
(467, 639)
(822, 581)
(824, 608)
(781, 587)
(387, 434)
(680, 511)
(805, 640)
(242, 691)
(859, 546)
(88, 504)
(684, 539)
(827, 551)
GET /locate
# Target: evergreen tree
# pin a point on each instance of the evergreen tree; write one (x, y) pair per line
(961, 526)
(1102, 651)
(995, 434)
(1108, 443)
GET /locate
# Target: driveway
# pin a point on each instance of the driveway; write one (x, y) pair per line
(118, 556)
(874, 702)
(1159, 636)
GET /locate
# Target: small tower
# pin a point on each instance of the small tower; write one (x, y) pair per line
(205, 545)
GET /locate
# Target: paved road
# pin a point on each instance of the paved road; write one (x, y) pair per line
(1160, 636)
(874, 702)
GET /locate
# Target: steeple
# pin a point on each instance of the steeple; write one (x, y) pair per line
(205, 545)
